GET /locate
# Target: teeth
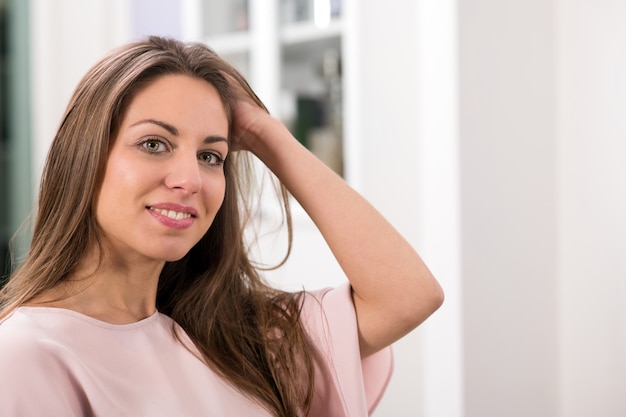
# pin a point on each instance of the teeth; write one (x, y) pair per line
(174, 215)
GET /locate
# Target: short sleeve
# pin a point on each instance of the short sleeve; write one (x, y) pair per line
(345, 385)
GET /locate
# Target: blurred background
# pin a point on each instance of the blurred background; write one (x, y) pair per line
(492, 133)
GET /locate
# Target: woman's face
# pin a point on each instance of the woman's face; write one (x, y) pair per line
(164, 180)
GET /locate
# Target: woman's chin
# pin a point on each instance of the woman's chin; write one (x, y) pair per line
(173, 257)
(169, 255)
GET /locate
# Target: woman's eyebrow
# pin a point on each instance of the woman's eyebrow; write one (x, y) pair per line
(214, 139)
(173, 131)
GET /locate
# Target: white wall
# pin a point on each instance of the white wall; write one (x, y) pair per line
(509, 206)
(543, 150)
(592, 208)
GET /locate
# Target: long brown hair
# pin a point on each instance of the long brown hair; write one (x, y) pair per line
(246, 331)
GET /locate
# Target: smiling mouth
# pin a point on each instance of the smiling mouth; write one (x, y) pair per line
(171, 214)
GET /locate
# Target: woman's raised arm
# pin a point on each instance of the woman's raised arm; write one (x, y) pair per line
(393, 290)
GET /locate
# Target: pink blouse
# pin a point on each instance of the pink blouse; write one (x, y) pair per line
(57, 362)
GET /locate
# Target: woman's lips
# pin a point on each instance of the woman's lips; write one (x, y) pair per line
(173, 215)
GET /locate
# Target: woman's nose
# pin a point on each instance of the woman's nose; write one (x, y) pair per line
(184, 174)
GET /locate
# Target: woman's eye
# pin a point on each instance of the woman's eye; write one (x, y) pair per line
(210, 158)
(154, 145)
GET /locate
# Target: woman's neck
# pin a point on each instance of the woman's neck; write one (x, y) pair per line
(114, 292)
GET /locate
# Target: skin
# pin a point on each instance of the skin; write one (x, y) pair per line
(393, 290)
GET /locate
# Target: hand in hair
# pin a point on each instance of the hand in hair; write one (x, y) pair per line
(393, 290)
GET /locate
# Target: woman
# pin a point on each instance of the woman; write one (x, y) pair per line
(138, 297)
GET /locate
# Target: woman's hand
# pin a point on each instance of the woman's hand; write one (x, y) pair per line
(250, 120)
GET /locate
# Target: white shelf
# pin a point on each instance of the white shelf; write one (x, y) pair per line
(295, 34)
(304, 32)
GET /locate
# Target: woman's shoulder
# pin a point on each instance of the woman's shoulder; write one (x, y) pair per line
(28, 349)
(34, 363)
(21, 326)
(24, 335)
